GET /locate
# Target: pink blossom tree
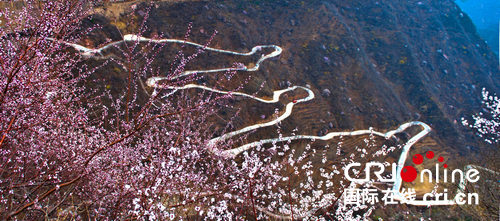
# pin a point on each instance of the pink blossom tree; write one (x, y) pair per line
(69, 151)
(63, 148)
(44, 123)
(487, 124)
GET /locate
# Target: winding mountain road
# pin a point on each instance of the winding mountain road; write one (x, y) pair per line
(154, 83)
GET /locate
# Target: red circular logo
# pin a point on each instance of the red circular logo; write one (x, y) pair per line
(429, 154)
(418, 159)
(408, 174)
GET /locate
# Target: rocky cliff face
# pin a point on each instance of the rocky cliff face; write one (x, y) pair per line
(370, 63)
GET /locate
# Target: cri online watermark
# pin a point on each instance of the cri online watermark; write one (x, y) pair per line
(409, 174)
